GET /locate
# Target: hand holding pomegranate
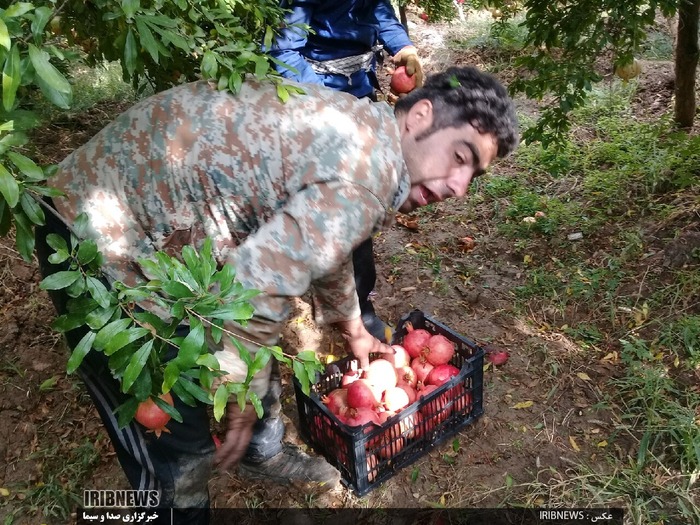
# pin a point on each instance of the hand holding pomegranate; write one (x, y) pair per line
(408, 57)
(239, 431)
(360, 342)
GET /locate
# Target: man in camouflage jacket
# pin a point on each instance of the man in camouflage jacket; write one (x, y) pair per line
(285, 191)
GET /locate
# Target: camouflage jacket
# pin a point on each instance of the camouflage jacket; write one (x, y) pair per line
(285, 190)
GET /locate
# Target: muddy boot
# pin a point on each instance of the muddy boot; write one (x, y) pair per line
(295, 467)
(269, 430)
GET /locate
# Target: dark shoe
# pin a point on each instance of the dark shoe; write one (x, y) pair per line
(377, 327)
(292, 466)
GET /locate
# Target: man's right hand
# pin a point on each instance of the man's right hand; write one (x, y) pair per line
(408, 56)
(360, 342)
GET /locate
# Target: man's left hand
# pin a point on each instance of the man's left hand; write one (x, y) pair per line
(239, 431)
(408, 57)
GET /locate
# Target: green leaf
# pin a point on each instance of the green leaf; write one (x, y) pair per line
(209, 361)
(301, 375)
(68, 322)
(49, 384)
(282, 93)
(106, 334)
(308, 355)
(59, 280)
(195, 390)
(124, 338)
(126, 411)
(235, 81)
(24, 238)
(262, 357)
(27, 166)
(32, 209)
(183, 395)
(11, 77)
(17, 9)
(129, 7)
(45, 190)
(192, 346)
(136, 364)
(5, 218)
(130, 52)
(170, 410)
(220, 400)
(206, 378)
(56, 242)
(57, 98)
(80, 225)
(209, 67)
(81, 305)
(170, 375)
(99, 317)
(143, 385)
(257, 404)
(147, 41)
(154, 323)
(262, 66)
(177, 289)
(9, 187)
(59, 257)
(414, 474)
(77, 288)
(80, 351)
(233, 312)
(41, 16)
(4, 35)
(87, 251)
(278, 354)
(98, 291)
(49, 78)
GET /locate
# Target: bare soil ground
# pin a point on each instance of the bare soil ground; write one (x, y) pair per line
(46, 419)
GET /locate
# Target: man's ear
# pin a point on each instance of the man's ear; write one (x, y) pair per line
(420, 116)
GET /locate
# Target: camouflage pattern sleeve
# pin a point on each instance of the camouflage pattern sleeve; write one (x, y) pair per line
(286, 191)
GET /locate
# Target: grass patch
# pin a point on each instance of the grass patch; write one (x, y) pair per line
(64, 473)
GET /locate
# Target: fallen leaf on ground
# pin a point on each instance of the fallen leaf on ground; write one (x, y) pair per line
(406, 221)
(574, 445)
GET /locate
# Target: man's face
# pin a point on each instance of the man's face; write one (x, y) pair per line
(442, 164)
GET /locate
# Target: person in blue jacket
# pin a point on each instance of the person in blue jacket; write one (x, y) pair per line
(339, 52)
(340, 49)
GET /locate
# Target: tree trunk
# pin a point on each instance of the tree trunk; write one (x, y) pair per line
(404, 18)
(686, 62)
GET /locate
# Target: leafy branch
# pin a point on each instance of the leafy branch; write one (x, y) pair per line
(138, 327)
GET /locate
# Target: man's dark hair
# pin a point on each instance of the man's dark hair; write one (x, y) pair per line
(465, 95)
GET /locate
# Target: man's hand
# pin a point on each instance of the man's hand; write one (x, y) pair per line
(239, 431)
(360, 342)
(408, 56)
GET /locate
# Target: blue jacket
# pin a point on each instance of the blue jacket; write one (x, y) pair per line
(341, 29)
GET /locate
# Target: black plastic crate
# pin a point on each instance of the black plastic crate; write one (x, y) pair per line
(369, 455)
